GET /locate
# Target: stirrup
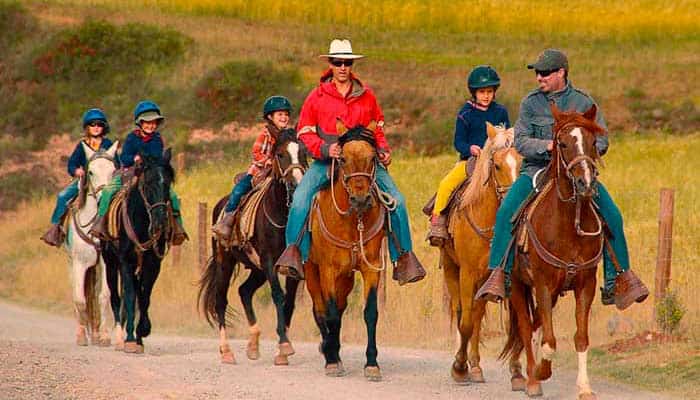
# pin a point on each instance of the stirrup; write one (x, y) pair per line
(494, 287)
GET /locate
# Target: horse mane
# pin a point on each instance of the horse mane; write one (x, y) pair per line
(574, 118)
(477, 187)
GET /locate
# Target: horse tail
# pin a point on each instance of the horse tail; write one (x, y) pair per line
(514, 345)
(90, 288)
(206, 298)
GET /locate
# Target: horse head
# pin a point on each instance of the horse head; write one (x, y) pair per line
(289, 163)
(99, 169)
(357, 164)
(574, 148)
(504, 159)
(155, 177)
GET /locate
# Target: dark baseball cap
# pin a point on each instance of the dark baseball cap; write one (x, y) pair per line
(550, 59)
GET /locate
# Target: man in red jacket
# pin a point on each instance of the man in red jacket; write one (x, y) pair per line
(341, 95)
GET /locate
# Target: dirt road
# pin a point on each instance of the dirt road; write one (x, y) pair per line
(39, 360)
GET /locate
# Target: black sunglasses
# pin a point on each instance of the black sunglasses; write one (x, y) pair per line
(546, 72)
(96, 123)
(340, 62)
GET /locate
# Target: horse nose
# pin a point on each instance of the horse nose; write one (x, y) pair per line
(361, 202)
(582, 186)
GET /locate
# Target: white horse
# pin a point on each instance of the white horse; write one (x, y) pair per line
(86, 265)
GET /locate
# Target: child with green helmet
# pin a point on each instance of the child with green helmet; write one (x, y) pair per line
(276, 112)
(470, 136)
(95, 128)
(147, 140)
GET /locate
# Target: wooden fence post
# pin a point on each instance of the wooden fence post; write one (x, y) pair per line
(180, 163)
(663, 257)
(203, 234)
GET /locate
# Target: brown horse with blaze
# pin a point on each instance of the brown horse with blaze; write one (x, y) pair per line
(465, 257)
(347, 224)
(560, 242)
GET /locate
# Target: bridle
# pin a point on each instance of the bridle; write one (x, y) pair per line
(283, 178)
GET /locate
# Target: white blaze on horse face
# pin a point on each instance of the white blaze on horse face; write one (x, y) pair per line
(512, 164)
(584, 387)
(576, 133)
(293, 150)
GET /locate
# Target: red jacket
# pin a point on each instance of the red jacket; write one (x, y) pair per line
(324, 104)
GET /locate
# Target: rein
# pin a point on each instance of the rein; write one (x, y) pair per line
(500, 191)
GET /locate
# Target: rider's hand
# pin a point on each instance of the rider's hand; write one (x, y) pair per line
(79, 172)
(475, 150)
(137, 158)
(384, 157)
(334, 150)
(550, 145)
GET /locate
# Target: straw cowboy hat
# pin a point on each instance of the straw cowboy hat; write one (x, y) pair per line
(341, 48)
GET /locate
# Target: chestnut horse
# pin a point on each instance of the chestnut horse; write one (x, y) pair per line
(562, 242)
(347, 225)
(465, 257)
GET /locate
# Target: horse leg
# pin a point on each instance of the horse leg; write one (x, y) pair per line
(255, 279)
(285, 347)
(460, 369)
(149, 274)
(112, 278)
(313, 285)
(521, 310)
(517, 380)
(371, 314)
(290, 285)
(549, 341)
(79, 301)
(129, 284)
(476, 374)
(104, 300)
(584, 292)
(334, 318)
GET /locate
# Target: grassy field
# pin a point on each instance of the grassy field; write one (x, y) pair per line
(638, 59)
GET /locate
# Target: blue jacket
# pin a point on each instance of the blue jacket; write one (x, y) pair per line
(77, 158)
(135, 143)
(470, 128)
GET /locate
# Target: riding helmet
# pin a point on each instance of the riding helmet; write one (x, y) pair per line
(481, 77)
(95, 114)
(276, 103)
(147, 111)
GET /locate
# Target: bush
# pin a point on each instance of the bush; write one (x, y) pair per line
(24, 185)
(15, 24)
(95, 64)
(237, 90)
(653, 114)
(670, 311)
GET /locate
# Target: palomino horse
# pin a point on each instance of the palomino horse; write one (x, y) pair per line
(87, 266)
(348, 229)
(564, 244)
(288, 166)
(465, 258)
(141, 244)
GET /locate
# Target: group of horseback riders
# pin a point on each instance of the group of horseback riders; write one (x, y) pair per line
(341, 97)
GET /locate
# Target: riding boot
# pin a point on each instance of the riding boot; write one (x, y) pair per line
(628, 289)
(438, 230)
(54, 236)
(289, 263)
(494, 287)
(99, 228)
(224, 228)
(179, 235)
(408, 269)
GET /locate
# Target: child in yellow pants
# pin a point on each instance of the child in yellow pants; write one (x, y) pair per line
(470, 136)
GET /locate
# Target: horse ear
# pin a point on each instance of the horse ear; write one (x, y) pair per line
(340, 126)
(112, 151)
(167, 155)
(88, 151)
(555, 110)
(590, 114)
(490, 130)
(372, 125)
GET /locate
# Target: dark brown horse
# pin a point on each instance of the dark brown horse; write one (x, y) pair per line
(561, 243)
(348, 229)
(465, 258)
(288, 167)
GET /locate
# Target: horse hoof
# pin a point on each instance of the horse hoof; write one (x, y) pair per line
(281, 359)
(518, 383)
(286, 349)
(533, 390)
(106, 342)
(133, 348)
(335, 370)
(476, 374)
(460, 373)
(81, 339)
(119, 346)
(543, 371)
(252, 353)
(227, 356)
(373, 374)
(587, 396)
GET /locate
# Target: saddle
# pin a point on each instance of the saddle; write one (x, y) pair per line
(247, 211)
